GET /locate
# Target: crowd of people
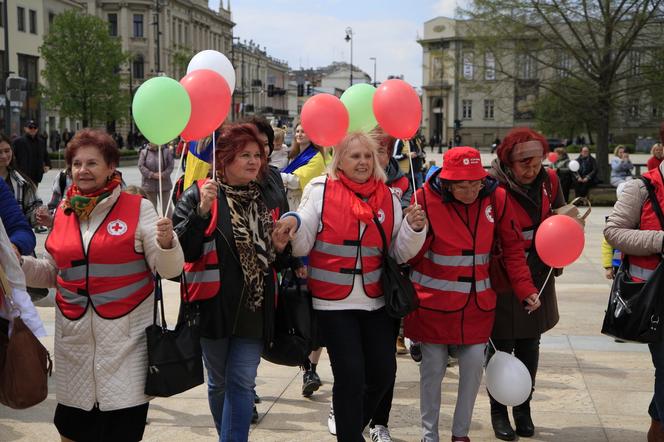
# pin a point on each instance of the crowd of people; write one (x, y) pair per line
(268, 208)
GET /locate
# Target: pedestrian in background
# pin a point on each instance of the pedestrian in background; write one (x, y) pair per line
(30, 153)
(621, 166)
(101, 255)
(586, 177)
(152, 173)
(561, 166)
(657, 155)
(21, 186)
(279, 155)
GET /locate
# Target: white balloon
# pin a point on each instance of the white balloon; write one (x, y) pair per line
(507, 379)
(216, 61)
(574, 166)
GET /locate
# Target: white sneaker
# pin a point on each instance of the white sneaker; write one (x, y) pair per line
(331, 423)
(380, 433)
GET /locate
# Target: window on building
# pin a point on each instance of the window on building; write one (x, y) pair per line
(635, 62)
(467, 109)
(28, 69)
(113, 25)
(468, 67)
(51, 17)
(179, 33)
(20, 18)
(489, 66)
(564, 65)
(138, 67)
(654, 111)
(633, 109)
(138, 25)
(526, 66)
(32, 20)
(2, 69)
(488, 109)
(2, 15)
(437, 68)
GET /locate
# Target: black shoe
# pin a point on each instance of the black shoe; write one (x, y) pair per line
(500, 421)
(254, 415)
(523, 421)
(310, 383)
(257, 399)
(416, 351)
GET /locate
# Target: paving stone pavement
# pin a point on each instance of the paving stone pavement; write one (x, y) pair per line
(589, 388)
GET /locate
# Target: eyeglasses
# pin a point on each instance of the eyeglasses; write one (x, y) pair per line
(32, 127)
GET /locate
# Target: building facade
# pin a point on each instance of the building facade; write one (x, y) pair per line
(465, 94)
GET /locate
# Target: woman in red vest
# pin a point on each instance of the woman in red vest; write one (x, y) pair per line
(634, 228)
(103, 249)
(225, 227)
(534, 193)
(467, 210)
(338, 225)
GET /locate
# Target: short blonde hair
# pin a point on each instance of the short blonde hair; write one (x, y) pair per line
(618, 147)
(655, 146)
(341, 148)
(279, 135)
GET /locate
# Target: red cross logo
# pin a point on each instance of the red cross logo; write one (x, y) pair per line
(116, 227)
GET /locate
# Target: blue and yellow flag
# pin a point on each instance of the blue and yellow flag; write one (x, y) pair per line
(199, 161)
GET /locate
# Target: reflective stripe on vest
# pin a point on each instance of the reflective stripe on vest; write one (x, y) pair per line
(642, 273)
(528, 234)
(103, 298)
(347, 251)
(450, 286)
(458, 261)
(103, 270)
(343, 278)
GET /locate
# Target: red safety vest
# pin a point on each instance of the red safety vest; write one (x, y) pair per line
(202, 278)
(526, 223)
(333, 259)
(111, 275)
(642, 267)
(456, 263)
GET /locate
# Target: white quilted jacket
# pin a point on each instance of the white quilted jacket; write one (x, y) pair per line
(104, 361)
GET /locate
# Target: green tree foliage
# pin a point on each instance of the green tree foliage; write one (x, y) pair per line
(592, 55)
(82, 63)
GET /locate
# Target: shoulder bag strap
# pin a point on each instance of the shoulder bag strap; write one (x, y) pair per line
(158, 301)
(382, 234)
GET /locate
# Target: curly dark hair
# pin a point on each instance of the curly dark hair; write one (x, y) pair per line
(231, 141)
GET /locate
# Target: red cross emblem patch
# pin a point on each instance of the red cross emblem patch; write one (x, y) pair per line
(116, 227)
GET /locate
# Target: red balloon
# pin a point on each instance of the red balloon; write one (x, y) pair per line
(553, 157)
(210, 102)
(559, 241)
(325, 119)
(397, 108)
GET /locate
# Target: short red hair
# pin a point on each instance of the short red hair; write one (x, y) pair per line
(233, 139)
(93, 138)
(516, 136)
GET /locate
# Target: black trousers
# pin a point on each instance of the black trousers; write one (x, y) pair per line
(382, 414)
(525, 350)
(361, 349)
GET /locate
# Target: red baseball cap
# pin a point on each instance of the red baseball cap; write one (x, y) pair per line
(462, 163)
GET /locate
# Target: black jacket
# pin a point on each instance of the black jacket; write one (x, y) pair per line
(220, 315)
(393, 173)
(31, 156)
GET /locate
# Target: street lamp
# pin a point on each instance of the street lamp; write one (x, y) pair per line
(374, 77)
(349, 38)
(158, 5)
(233, 63)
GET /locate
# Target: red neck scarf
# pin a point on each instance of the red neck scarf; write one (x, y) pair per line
(373, 190)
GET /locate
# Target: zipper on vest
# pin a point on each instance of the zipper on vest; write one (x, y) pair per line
(94, 359)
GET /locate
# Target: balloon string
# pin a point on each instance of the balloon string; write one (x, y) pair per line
(545, 281)
(214, 158)
(177, 174)
(495, 350)
(412, 172)
(159, 202)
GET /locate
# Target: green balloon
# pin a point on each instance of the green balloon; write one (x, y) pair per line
(358, 100)
(161, 109)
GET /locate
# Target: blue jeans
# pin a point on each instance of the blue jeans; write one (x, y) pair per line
(656, 408)
(231, 365)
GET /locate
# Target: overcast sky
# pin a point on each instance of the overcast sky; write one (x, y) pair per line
(310, 33)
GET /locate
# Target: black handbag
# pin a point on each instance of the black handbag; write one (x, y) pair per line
(400, 296)
(636, 311)
(294, 324)
(175, 363)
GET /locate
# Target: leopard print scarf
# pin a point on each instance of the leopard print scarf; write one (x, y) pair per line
(252, 230)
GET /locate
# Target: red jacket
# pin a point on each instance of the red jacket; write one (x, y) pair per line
(642, 267)
(653, 163)
(111, 276)
(202, 278)
(333, 259)
(451, 272)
